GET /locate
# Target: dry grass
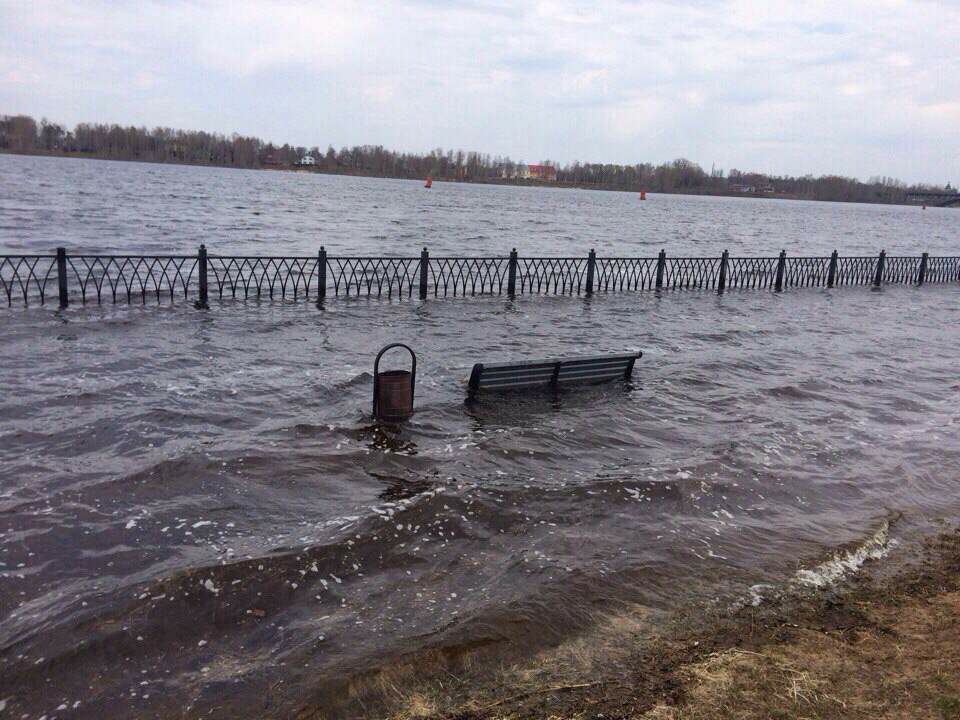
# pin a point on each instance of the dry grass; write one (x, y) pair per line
(482, 682)
(416, 706)
(905, 663)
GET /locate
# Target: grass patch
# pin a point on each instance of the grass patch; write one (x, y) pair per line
(949, 707)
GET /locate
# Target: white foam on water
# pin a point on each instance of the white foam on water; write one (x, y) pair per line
(829, 572)
(847, 563)
(757, 593)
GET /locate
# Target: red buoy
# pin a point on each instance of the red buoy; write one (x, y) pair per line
(428, 183)
(643, 194)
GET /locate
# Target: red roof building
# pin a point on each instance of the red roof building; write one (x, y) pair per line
(547, 173)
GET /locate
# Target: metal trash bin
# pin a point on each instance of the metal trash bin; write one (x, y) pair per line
(393, 389)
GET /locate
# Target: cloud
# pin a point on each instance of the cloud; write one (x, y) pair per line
(776, 86)
(246, 38)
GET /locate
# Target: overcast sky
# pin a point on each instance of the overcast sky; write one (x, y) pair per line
(858, 88)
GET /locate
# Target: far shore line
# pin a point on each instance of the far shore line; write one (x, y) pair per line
(514, 182)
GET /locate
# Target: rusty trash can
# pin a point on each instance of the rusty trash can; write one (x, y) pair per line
(393, 389)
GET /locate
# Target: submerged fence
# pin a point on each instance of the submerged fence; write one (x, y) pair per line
(66, 278)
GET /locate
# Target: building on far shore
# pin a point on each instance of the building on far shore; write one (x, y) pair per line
(765, 188)
(544, 173)
(307, 160)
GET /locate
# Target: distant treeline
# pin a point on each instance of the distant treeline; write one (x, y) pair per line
(21, 133)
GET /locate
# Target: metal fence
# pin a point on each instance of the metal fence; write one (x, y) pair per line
(64, 278)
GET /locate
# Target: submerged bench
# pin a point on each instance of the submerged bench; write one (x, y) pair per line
(543, 373)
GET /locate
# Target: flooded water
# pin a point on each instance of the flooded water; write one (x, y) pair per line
(198, 517)
(112, 207)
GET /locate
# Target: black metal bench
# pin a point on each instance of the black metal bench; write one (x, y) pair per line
(543, 373)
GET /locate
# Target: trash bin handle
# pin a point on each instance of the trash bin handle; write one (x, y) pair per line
(376, 371)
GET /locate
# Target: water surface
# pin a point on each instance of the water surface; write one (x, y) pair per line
(121, 207)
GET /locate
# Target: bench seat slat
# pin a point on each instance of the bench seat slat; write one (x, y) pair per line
(586, 375)
(612, 367)
(599, 360)
(523, 371)
(515, 382)
(619, 362)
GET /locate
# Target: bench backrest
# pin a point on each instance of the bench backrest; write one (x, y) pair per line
(519, 375)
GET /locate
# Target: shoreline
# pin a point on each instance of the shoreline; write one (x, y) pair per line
(884, 641)
(506, 182)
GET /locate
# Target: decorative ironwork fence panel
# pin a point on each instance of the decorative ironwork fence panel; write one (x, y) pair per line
(31, 278)
(943, 269)
(626, 273)
(256, 277)
(38, 279)
(556, 276)
(856, 270)
(900, 269)
(752, 273)
(806, 271)
(120, 278)
(453, 276)
(396, 276)
(691, 272)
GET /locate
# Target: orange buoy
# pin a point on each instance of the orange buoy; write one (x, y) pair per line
(643, 194)
(428, 183)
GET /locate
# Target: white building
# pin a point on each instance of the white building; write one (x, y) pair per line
(307, 160)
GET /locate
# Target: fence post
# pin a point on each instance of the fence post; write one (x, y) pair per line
(424, 263)
(591, 269)
(722, 282)
(661, 265)
(202, 273)
(878, 278)
(62, 277)
(922, 275)
(781, 266)
(512, 274)
(321, 274)
(832, 275)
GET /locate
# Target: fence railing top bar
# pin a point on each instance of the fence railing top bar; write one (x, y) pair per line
(212, 256)
(698, 257)
(372, 257)
(627, 257)
(98, 256)
(130, 256)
